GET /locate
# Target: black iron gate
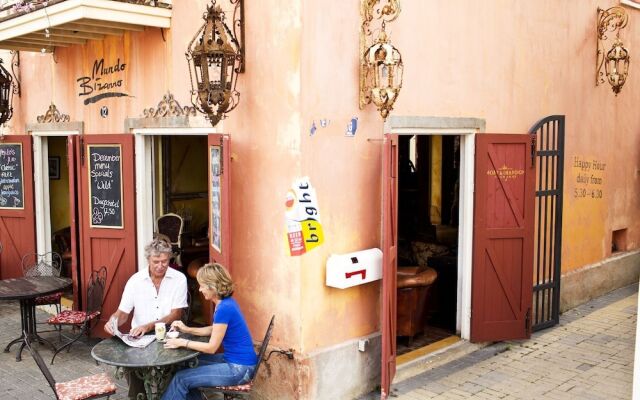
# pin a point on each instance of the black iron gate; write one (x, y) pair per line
(548, 235)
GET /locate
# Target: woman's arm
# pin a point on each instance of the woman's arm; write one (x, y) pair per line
(181, 327)
(217, 334)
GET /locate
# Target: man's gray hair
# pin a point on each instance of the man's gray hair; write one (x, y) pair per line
(156, 248)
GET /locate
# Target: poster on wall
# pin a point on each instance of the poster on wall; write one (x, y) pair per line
(216, 214)
(105, 186)
(304, 230)
(11, 183)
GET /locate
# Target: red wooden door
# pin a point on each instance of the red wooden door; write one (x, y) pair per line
(219, 174)
(107, 214)
(389, 264)
(17, 214)
(503, 237)
(72, 160)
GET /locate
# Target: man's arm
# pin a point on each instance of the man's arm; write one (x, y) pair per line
(174, 315)
(120, 316)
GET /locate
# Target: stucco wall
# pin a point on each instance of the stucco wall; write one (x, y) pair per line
(509, 63)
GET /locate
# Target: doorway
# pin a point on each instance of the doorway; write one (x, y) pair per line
(172, 183)
(55, 187)
(428, 238)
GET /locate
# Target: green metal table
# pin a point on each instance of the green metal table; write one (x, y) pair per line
(153, 364)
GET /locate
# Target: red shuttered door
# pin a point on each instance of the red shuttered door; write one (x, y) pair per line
(17, 214)
(219, 174)
(503, 237)
(389, 265)
(107, 214)
(72, 159)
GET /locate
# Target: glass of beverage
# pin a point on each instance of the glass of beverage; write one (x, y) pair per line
(161, 330)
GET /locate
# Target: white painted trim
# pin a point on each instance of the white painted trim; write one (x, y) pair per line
(41, 186)
(630, 3)
(74, 10)
(144, 194)
(174, 131)
(465, 234)
(434, 131)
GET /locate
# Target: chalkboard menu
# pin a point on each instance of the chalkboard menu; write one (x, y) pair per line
(11, 183)
(216, 215)
(105, 185)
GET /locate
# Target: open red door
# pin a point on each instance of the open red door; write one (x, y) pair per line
(219, 174)
(107, 214)
(389, 264)
(72, 160)
(503, 237)
(17, 214)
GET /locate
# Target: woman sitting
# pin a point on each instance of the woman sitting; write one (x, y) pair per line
(229, 328)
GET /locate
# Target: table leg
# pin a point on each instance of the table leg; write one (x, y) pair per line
(155, 380)
(28, 322)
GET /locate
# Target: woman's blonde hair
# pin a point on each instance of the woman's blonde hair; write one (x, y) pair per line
(216, 277)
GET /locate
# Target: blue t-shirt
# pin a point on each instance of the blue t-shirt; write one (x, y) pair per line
(238, 346)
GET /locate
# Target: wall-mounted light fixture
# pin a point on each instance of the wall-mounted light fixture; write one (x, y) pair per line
(216, 56)
(616, 59)
(6, 94)
(380, 63)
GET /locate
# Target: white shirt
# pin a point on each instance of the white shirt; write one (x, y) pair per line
(148, 304)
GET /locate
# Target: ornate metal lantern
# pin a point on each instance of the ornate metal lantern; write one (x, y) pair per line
(381, 63)
(6, 95)
(617, 66)
(616, 60)
(383, 66)
(215, 59)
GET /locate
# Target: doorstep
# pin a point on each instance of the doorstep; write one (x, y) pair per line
(433, 356)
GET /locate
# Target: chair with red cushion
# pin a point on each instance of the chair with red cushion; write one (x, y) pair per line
(86, 387)
(244, 390)
(83, 320)
(47, 264)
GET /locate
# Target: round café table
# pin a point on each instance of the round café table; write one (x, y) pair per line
(153, 364)
(26, 290)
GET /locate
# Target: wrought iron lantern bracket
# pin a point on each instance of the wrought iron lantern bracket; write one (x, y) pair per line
(380, 62)
(216, 57)
(615, 60)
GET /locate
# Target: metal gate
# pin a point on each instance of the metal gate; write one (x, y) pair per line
(548, 226)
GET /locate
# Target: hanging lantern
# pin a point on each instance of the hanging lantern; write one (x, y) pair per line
(383, 80)
(215, 58)
(617, 66)
(6, 95)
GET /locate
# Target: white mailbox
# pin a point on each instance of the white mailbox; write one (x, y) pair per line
(353, 269)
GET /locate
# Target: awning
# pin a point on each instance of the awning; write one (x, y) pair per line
(66, 23)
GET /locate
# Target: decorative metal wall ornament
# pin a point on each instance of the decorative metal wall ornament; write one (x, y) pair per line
(169, 107)
(616, 60)
(6, 94)
(380, 63)
(15, 69)
(53, 115)
(215, 57)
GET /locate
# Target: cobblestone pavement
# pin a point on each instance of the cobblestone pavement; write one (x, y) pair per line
(589, 355)
(23, 380)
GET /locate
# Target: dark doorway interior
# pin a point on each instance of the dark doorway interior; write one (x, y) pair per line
(428, 193)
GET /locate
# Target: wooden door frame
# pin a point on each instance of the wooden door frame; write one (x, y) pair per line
(40, 177)
(145, 179)
(466, 128)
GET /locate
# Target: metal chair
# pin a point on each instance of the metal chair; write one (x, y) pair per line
(244, 390)
(171, 225)
(86, 387)
(47, 264)
(83, 320)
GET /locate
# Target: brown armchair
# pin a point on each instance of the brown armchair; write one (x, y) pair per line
(413, 287)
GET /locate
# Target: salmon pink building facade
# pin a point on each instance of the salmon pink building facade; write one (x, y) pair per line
(502, 188)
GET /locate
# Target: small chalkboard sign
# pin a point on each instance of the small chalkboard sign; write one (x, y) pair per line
(105, 185)
(11, 182)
